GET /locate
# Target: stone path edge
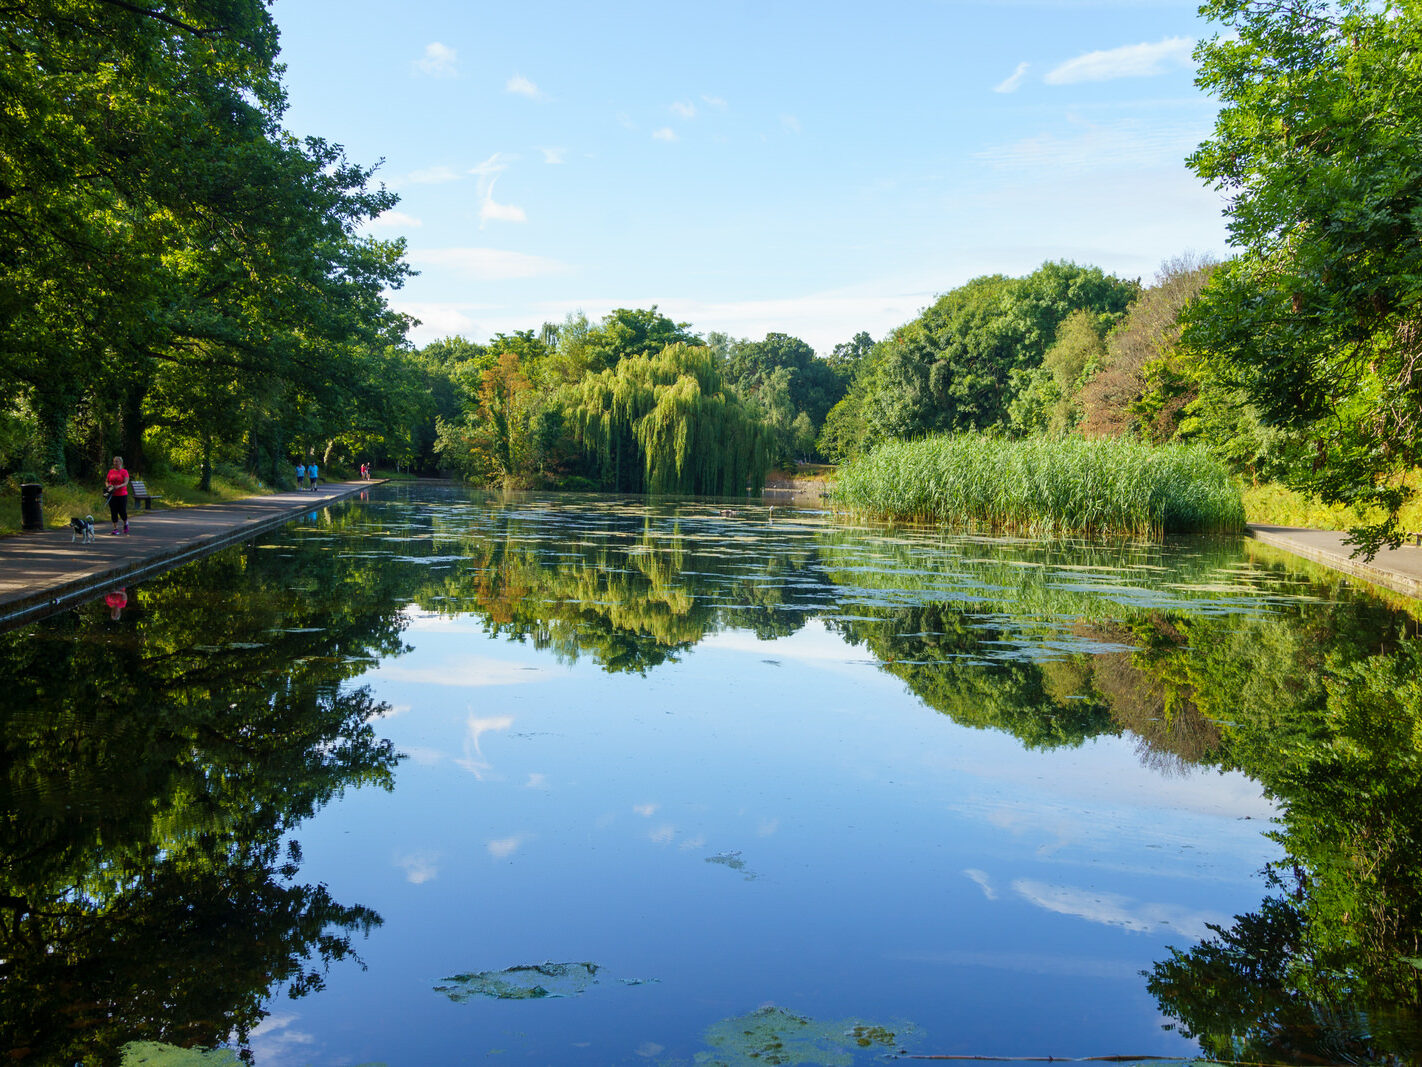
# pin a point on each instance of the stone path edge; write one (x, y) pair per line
(1397, 569)
(34, 601)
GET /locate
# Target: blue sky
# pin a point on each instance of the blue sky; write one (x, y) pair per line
(814, 169)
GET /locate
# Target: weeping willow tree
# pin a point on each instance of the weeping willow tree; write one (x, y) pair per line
(668, 423)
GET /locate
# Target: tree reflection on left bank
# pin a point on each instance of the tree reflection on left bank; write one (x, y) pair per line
(154, 770)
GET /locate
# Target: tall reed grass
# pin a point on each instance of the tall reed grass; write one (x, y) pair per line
(1045, 486)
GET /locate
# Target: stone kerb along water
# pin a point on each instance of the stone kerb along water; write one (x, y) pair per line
(675, 783)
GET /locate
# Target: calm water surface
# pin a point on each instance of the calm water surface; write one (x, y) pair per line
(438, 777)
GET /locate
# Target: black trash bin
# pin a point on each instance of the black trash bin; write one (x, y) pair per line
(32, 506)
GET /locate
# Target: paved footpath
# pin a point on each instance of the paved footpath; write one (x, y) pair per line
(1398, 569)
(46, 570)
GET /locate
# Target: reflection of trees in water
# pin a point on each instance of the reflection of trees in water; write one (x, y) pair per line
(153, 771)
(633, 591)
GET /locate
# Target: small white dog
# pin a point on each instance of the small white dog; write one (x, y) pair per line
(83, 529)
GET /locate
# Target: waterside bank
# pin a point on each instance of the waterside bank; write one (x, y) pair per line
(1397, 569)
(47, 570)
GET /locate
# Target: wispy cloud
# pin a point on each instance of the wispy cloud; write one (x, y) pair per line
(487, 265)
(521, 86)
(1084, 146)
(394, 220)
(504, 847)
(714, 101)
(1012, 81)
(791, 123)
(665, 133)
(489, 209)
(553, 155)
(982, 881)
(427, 176)
(1128, 61)
(439, 61)
(1111, 909)
(684, 109)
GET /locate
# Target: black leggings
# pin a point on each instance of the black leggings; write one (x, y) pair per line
(118, 508)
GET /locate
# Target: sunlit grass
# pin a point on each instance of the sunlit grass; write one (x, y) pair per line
(61, 502)
(1276, 505)
(1045, 486)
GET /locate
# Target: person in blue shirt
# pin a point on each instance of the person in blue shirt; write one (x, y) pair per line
(300, 476)
(311, 474)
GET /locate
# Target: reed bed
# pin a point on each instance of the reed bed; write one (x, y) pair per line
(1045, 486)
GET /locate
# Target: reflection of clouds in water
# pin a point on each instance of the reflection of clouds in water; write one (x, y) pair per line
(1112, 909)
(1029, 963)
(663, 835)
(983, 882)
(272, 1039)
(425, 757)
(536, 780)
(504, 847)
(468, 671)
(1019, 821)
(473, 759)
(699, 841)
(645, 810)
(419, 867)
(767, 827)
(388, 711)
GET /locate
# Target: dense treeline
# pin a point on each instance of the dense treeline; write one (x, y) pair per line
(177, 272)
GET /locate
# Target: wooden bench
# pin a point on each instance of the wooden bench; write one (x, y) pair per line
(139, 491)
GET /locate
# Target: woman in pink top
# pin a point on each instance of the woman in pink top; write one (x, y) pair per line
(117, 481)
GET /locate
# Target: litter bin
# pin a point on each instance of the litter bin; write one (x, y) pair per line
(32, 506)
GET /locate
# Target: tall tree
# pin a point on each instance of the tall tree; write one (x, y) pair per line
(1318, 146)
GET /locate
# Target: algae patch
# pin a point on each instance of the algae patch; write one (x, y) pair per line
(529, 981)
(772, 1035)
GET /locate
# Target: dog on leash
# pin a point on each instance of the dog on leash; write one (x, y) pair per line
(83, 529)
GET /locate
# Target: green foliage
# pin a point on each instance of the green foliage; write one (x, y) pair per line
(1045, 486)
(951, 369)
(169, 255)
(668, 424)
(1317, 146)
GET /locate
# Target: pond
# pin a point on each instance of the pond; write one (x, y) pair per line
(441, 776)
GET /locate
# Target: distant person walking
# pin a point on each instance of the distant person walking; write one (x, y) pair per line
(311, 474)
(365, 472)
(300, 476)
(117, 494)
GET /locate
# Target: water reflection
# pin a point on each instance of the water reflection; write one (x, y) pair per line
(159, 763)
(155, 767)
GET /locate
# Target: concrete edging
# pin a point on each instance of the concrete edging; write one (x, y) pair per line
(1397, 569)
(21, 603)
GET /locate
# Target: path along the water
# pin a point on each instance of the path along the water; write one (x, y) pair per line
(46, 570)
(1398, 569)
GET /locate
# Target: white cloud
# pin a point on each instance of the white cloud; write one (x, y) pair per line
(428, 176)
(983, 882)
(791, 123)
(394, 220)
(645, 810)
(684, 109)
(1112, 909)
(439, 61)
(488, 264)
(1129, 61)
(419, 867)
(521, 86)
(489, 209)
(488, 172)
(504, 847)
(1086, 146)
(536, 780)
(666, 133)
(1010, 84)
(553, 155)
(714, 101)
